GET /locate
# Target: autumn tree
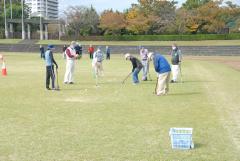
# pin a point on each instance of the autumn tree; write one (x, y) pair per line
(137, 22)
(112, 22)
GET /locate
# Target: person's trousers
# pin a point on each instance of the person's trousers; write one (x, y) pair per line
(163, 83)
(50, 74)
(108, 56)
(175, 72)
(68, 78)
(42, 55)
(135, 75)
(145, 69)
(98, 69)
(91, 55)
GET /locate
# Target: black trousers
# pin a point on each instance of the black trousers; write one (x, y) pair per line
(108, 56)
(50, 74)
(91, 55)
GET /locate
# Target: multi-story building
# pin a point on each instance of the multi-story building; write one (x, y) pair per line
(44, 8)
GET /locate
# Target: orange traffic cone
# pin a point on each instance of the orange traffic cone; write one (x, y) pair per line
(4, 69)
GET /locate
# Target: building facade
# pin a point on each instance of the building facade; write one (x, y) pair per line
(44, 8)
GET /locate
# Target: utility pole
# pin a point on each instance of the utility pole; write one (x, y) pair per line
(40, 17)
(5, 19)
(23, 29)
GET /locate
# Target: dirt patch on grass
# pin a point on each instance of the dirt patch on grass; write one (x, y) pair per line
(233, 62)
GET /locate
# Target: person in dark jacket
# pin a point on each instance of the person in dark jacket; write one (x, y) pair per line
(176, 62)
(78, 49)
(136, 67)
(163, 69)
(41, 48)
(108, 52)
(49, 59)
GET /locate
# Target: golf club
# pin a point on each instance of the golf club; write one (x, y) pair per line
(155, 92)
(126, 78)
(180, 68)
(57, 88)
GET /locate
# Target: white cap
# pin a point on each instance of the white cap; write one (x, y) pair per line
(127, 55)
(73, 43)
(150, 54)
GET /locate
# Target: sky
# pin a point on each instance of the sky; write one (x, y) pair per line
(101, 5)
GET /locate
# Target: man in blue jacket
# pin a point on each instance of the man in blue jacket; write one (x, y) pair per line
(49, 59)
(163, 69)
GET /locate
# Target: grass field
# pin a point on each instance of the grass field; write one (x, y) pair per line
(117, 122)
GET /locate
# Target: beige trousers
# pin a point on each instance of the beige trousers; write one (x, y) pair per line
(98, 68)
(163, 83)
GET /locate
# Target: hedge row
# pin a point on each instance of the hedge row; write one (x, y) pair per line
(173, 37)
(235, 36)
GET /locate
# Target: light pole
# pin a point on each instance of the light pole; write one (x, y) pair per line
(5, 19)
(11, 25)
(23, 29)
(40, 17)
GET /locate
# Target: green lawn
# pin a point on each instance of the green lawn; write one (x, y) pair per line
(9, 41)
(117, 122)
(149, 43)
(134, 43)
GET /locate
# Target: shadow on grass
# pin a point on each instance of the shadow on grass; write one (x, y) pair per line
(195, 81)
(185, 94)
(198, 145)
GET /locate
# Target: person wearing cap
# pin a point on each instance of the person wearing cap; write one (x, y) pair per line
(91, 51)
(163, 69)
(176, 62)
(70, 63)
(145, 63)
(49, 59)
(108, 52)
(98, 57)
(136, 67)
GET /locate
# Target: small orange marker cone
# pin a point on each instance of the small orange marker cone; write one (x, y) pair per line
(4, 69)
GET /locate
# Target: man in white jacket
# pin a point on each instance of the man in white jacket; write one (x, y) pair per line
(70, 64)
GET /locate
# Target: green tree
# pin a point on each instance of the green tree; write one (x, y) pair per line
(82, 20)
(193, 4)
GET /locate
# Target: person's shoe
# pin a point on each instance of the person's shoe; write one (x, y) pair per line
(65, 82)
(144, 79)
(48, 88)
(172, 81)
(71, 83)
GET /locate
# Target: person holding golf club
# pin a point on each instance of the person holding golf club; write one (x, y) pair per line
(98, 58)
(145, 63)
(176, 62)
(163, 69)
(70, 63)
(49, 59)
(136, 67)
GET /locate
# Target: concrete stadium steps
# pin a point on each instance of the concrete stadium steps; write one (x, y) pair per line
(186, 50)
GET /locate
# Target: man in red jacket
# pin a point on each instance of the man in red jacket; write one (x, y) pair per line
(91, 51)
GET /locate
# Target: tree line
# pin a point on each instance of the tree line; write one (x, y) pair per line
(146, 17)
(151, 17)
